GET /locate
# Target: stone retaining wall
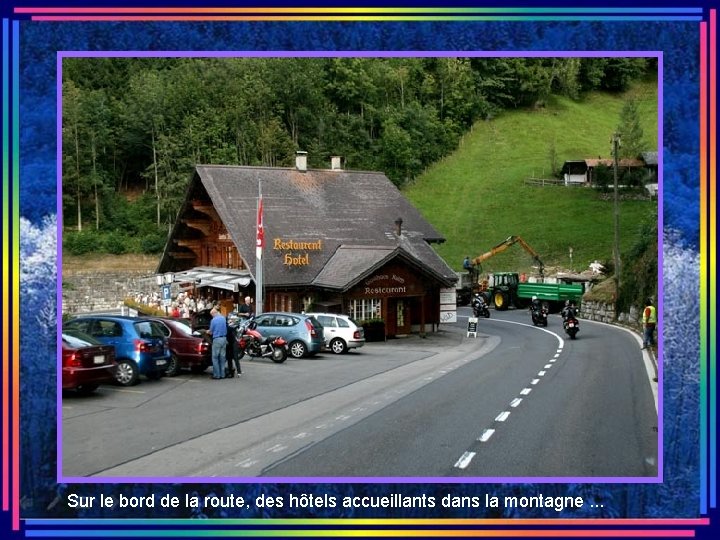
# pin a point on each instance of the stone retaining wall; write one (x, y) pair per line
(603, 312)
(88, 291)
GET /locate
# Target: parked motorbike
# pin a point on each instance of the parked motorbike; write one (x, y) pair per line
(539, 315)
(571, 326)
(480, 307)
(255, 345)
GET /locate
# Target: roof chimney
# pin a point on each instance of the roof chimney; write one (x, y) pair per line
(335, 163)
(301, 160)
(398, 226)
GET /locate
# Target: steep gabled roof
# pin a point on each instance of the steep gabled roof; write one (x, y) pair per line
(351, 264)
(335, 206)
(625, 162)
(650, 158)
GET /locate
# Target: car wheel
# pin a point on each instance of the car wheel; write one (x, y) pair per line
(279, 355)
(86, 389)
(338, 346)
(127, 373)
(297, 349)
(173, 367)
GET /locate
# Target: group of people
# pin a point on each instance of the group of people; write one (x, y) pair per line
(183, 306)
(221, 331)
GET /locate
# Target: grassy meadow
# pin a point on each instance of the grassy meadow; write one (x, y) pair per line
(477, 197)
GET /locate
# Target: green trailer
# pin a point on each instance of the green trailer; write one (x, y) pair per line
(555, 294)
(507, 290)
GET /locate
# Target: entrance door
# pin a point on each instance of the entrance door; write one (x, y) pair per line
(402, 316)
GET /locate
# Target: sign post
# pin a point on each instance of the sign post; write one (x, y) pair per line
(448, 306)
(472, 327)
(166, 295)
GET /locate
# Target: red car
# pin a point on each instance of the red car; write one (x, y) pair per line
(86, 363)
(188, 350)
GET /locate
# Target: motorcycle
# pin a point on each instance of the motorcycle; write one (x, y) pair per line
(255, 345)
(480, 307)
(539, 315)
(571, 326)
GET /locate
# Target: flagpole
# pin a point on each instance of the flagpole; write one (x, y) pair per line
(260, 242)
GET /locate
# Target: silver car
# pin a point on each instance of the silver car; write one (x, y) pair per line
(303, 333)
(341, 332)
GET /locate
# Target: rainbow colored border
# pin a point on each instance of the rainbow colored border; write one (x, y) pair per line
(315, 528)
(359, 14)
(11, 271)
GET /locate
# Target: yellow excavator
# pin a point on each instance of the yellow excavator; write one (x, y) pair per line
(502, 246)
(504, 290)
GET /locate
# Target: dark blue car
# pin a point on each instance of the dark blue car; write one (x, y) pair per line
(140, 344)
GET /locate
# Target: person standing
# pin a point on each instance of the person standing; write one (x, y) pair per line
(246, 310)
(233, 352)
(218, 331)
(649, 320)
(468, 265)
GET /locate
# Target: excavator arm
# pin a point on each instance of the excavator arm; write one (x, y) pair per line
(502, 246)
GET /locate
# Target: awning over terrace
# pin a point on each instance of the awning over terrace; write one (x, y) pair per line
(220, 278)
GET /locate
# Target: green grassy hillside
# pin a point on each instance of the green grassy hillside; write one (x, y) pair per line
(477, 197)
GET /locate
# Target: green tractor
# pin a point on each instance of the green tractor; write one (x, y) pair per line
(503, 292)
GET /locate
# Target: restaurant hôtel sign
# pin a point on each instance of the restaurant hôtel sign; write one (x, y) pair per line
(296, 252)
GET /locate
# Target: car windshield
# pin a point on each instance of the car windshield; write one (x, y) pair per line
(78, 342)
(148, 329)
(184, 328)
(202, 319)
(326, 320)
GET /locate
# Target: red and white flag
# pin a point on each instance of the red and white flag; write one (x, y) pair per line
(260, 230)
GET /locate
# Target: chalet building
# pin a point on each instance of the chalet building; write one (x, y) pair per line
(583, 171)
(335, 240)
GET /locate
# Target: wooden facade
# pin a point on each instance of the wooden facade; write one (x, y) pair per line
(338, 241)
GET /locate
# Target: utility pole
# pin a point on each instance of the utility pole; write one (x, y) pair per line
(616, 244)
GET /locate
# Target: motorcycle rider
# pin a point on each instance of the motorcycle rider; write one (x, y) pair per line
(478, 304)
(569, 311)
(535, 305)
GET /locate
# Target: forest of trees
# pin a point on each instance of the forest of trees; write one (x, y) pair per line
(133, 128)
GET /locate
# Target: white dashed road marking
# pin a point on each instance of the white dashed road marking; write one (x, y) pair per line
(465, 460)
(485, 437)
(467, 457)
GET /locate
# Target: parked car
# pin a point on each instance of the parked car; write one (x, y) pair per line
(303, 333)
(86, 363)
(341, 333)
(188, 349)
(140, 345)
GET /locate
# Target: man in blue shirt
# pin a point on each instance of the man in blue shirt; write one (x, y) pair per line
(218, 332)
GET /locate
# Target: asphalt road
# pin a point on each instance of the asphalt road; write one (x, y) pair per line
(517, 401)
